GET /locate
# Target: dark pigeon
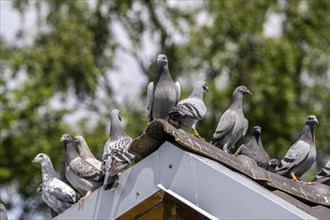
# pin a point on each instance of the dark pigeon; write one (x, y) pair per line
(191, 110)
(55, 193)
(163, 93)
(115, 158)
(302, 154)
(324, 175)
(254, 149)
(232, 125)
(81, 174)
(85, 153)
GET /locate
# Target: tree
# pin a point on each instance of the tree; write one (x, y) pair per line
(67, 66)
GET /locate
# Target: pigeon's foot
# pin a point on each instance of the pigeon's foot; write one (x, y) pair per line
(81, 201)
(294, 178)
(195, 132)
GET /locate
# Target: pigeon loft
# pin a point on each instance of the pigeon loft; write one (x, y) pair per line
(183, 177)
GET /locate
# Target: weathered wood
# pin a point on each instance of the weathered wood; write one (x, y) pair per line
(159, 131)
(151, 208)
(177, 210)
(319, 211)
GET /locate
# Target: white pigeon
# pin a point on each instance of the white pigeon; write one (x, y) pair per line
(55, 193)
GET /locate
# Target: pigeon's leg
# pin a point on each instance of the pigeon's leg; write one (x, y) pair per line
(195, 132)
(225, 148)
(81, 201)
(295, 178)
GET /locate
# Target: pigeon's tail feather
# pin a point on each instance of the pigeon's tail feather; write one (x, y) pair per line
(175, 115)
(110, 182)
(77, 197)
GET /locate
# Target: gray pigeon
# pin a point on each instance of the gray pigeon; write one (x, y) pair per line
(302, 154)
(191, 110)
(163, 93)
(115, 158)
(85, 153)
(3, 212)
(81, 174)
(324, 175)
(254, 149)
(55, 193)
(232, 125)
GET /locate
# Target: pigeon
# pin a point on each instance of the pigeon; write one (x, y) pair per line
(272, 164)
(232, 125)
(302, 154)
(52, 212)
(163, 93)
(115, 158)
(324, 175)
(3, 212)
(55, 193)
(254, 149)
(85, 152)
(191, 110)
(81, 174)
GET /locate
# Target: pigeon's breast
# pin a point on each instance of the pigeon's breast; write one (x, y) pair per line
(164, 100)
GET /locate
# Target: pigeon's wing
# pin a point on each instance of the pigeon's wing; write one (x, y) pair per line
(225, 124)
(246, 126)
(62, 191)
(177, 91)
(324, 173)
(119, 149)
(53, 213)
(85, 170)
(117, 167)
(190, 108)
(295, 155)
(241, 149)
(150, 98)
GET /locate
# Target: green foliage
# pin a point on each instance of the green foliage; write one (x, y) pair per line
(74, 48)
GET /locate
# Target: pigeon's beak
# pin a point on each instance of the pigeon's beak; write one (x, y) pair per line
(248, 92)
(258, 130)
(34, 160)
(316, 121)
(158, 60)
(206, 88)
(62, 139)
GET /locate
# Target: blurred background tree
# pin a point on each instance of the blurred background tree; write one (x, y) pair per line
(67, 78)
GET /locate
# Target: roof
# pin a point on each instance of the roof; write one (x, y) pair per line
(313, 198)
(180, 172)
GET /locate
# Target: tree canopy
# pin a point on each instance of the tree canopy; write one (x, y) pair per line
(72, 55)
